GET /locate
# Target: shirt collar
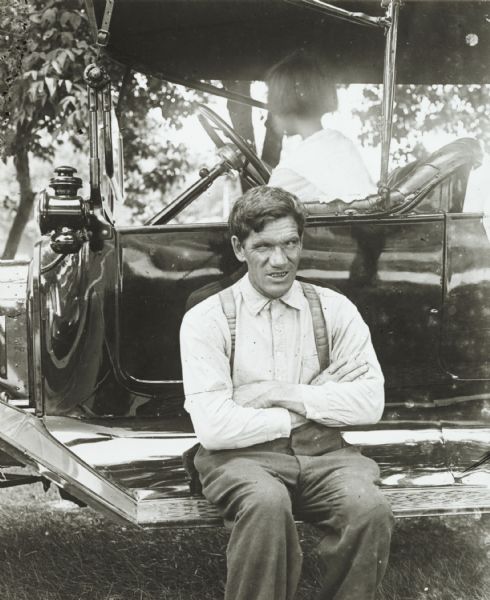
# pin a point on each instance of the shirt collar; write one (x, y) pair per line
(255, 301)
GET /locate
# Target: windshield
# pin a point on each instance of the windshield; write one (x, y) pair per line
(427, 118)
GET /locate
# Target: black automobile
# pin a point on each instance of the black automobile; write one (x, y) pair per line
(90, 376)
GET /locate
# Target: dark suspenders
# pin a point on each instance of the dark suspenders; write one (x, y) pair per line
(319, 326)
(321, 340)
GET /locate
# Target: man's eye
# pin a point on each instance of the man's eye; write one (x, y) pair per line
(292, 244)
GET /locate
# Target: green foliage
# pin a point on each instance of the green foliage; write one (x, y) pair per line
(44, 98)
(44, 85)
(419, 109)
(153, 163)
(13, 42)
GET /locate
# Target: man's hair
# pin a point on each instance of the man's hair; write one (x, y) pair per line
(260, 205)
(299, 85)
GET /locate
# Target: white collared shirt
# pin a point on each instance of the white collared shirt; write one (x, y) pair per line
(274, 341)
(323, 167)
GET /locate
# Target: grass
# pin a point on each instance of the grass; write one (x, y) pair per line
(52, 550)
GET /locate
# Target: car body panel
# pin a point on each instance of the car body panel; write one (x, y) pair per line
(126, 419)
(144, 457)
(73, 297)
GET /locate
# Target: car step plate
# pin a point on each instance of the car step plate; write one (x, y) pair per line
(405, 502)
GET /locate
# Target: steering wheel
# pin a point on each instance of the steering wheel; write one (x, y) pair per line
(254, 171)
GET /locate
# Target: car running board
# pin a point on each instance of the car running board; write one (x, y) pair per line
(26, 438)
(409, 502)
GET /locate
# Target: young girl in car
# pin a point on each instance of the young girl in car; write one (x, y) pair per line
(325, 165)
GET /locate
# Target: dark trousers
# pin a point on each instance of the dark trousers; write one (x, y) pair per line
(259, 488)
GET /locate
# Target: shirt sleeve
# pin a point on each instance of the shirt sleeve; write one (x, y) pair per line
(359, 402)
(218, 421)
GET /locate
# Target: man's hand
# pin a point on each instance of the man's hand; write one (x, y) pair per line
(266, 394)
(341, 371)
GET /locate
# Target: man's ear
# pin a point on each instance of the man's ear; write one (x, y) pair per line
(238, 248)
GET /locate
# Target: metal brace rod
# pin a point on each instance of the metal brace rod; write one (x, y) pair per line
(345, 15)
(89, 7)
(94, 147)
(103, 33)
(389, 79)
(197, 84)
(107, 130)
(209, 88)
(96, 79)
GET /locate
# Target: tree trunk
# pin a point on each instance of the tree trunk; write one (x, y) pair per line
(21, 162)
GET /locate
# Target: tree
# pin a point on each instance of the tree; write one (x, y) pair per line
(456, 109)
(44, 99)
(46, 68)
(153, 163)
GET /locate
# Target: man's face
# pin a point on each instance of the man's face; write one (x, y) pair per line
(272, 256)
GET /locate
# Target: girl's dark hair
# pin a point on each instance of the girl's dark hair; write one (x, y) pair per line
(299, 85)
(260, 205)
